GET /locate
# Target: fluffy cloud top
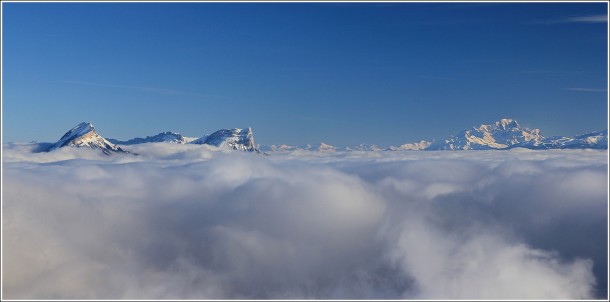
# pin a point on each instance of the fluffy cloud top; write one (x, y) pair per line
(192, 222)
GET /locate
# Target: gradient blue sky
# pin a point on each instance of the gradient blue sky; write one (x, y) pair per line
(297, 73)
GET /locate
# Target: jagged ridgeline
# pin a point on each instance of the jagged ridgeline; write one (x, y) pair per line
(84, 135)
(508, 134)
(500, 135)
(503, 134)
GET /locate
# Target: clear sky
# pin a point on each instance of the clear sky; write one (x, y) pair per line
(298, 73)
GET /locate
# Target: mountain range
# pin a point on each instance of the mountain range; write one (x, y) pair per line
(168, 137)
(508, 134)
(85, 135)
(503, 134)
(235, 139)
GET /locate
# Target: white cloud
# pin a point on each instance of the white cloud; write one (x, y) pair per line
(590, 19)
(484, 265)
(186, 221)
(575, 19)
(587, 89)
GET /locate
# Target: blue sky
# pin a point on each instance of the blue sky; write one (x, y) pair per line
(297, 73)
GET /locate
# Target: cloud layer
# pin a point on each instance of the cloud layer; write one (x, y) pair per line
(179, 222)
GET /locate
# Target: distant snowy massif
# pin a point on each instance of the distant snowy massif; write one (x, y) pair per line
(503, 134)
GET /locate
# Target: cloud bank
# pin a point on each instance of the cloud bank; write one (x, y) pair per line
(191, 222)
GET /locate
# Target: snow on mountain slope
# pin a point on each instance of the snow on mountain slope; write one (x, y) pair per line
(499, 135)
(364, 147)
(200, 140)
(422, 145)
(168, 137)
(320, 147)
(592, 140)
(84, 135)
(236, 139)
(277, 148)
(189, 139)
(503, 134)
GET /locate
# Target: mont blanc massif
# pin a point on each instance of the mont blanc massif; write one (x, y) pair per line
(503, 134)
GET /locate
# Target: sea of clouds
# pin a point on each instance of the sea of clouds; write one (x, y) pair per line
(193, 222)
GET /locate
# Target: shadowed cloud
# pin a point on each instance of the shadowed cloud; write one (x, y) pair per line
(192, 222)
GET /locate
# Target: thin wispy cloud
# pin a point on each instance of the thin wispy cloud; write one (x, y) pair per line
(590, 19)
(575, 19)
(141, 88)
(552, 72)
(586, 89)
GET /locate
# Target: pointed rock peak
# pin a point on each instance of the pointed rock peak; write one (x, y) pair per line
(84, 135)
(78, 131)
(508, 123)
(82, 128)
(325, 147)
(85, 125)
(501, 125)
(240, 131)
(236, 138)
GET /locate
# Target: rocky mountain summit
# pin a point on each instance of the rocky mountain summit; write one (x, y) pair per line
(84, 135)
(236, 139)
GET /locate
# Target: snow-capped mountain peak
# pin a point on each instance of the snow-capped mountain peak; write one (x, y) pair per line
(80, 130)
(507, 123)
(84, 135)
(498, 135)
(422, 145)
(324, 147)
(236, 139)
